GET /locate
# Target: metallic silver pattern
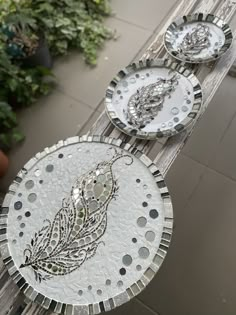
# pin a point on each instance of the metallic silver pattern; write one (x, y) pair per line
(144, 105)
(195, 41)
(166, 105)
(60, 246)
(205, 41)
(62, 150)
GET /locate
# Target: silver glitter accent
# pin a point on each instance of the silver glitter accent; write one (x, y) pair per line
(197, 40)
(144, 105)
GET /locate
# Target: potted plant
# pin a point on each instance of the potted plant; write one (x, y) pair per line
(9, 132)
(24, 41)
(4, 162)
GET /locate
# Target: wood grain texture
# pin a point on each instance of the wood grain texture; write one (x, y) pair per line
(211, 78)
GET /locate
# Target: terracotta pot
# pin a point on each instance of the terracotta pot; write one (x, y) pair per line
(4, 162)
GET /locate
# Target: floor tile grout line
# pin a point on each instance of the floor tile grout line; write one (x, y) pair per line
(132, 60)
(73, 98)
(152, 33)
(227, 127)
(209, 167)
(131, 23)
(147, 306)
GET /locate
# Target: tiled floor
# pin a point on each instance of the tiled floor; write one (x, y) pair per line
(198, 275)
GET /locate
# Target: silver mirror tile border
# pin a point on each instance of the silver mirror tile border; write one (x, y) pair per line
(135, 288)
(149, 63)
(198, 17)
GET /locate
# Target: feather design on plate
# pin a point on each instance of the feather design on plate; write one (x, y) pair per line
(197, 40)
(144, 105)
(61, 246)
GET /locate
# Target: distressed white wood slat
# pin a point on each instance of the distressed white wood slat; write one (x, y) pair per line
(173, 146)
(217, 7)
(210, 85)
(232, 71)
(9, 297)
(103, 125)
(169, 152)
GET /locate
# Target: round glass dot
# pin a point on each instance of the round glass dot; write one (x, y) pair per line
(142, 77)
(20, 195)
(149, 196)
(18, 205)
(99, 292)
(60, 156)
(142, 221)
(127, 260)
(170, 124)
(150, 236)
(49, 168)
(94, 235)
(22, 225)
(125, 83)
(14, 242)
(27, 214)
(184, 109)
(138, 267)
(147, 74)
(21, 234)
(143, 252)
(126, 90)
(119, 92)
(120, 283)
(188, 102)
(19, 217)
(138, 180)
(175, 111)
(121, 97)
(163, 125)
(41, 181)
(69, 156)
(80, 292)
(88, 239)
(134, 240)
(37, 172)
(32, 197)
(89, 287)
(122, 271)
(145, 186)
(108, 282)
(176, 119)
(145, 204)
(153, 213)
(29, 184)
(137, 75)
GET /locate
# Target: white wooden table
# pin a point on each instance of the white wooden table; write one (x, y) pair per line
(210, 76)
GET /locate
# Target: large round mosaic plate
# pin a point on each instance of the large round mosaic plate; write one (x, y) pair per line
(86, 225)
(153, 99)
(198, 38)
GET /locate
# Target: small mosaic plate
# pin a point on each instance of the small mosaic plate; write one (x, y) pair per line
(198, 38)
(86, 225)
(153, 99)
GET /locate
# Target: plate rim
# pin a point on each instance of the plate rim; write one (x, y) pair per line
(127, 294)
(201, 17)
(150, 63)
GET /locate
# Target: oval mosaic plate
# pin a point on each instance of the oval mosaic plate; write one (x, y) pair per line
(198, 38)
(153, 99)
(86, 225)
